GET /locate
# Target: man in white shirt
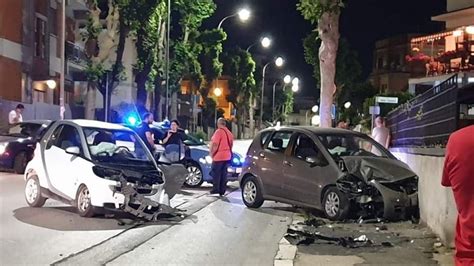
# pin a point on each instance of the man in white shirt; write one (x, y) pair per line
(15, 117)
(380, 133)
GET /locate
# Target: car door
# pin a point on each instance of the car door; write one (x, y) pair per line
(63, 168)
(304, 180)
(270, 161)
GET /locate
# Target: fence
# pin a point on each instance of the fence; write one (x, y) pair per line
(428, 119)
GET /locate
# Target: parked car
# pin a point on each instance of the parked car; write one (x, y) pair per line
(197, 160)
(17, 146)
(332, 170)
(93, 165)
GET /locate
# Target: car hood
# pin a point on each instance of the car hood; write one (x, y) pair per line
(199, 147)
(369, 168)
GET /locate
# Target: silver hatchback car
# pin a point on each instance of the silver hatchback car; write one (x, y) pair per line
(332, 170)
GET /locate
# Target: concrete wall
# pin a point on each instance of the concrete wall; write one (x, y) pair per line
(437, 207)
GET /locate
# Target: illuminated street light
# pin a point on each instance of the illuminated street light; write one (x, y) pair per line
(347, 105)
(295, 81)
(278, 62)
(243, 14)
(287, 79)
(295, 88)
(315, 109)
(51, 84)
(217, 92)
(266, 42)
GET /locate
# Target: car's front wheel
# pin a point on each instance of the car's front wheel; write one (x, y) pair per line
(195, 177)
(33, 192)
(336, 205)
(251, 193)
(83, 202)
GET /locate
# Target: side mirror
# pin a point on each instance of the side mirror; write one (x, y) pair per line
(315, 161)
(73, 151)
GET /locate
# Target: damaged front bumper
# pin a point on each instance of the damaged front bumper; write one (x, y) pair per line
(134, 193)
(380, 198)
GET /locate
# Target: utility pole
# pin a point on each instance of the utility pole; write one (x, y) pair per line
(63, 60)
(168, 60)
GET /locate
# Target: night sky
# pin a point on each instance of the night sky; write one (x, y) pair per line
(362, 23)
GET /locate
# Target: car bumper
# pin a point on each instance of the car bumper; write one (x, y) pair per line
(396, 204)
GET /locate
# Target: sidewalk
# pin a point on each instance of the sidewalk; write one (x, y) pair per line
(401, 243)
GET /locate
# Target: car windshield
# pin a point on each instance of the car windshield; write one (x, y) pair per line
(352, 145)
(26, 130)
(116, 146)
(192, 141)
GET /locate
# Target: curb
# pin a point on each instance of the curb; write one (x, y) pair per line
(287, 252)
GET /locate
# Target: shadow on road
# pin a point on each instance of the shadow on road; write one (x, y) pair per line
(66, 219)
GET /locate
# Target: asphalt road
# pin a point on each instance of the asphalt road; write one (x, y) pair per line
(215, 231)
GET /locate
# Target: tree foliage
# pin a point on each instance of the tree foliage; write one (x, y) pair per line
(240, 65)
(312, 10)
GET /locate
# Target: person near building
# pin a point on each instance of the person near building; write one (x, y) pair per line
(380, 133)
(221, 154)
(145, 132)
(174, 142)
(15, 116)
(458, 174)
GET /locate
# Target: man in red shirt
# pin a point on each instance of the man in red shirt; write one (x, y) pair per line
(458, 173)
(221, 154)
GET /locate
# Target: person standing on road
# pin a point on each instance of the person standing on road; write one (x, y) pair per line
(15, 117)
(380, 133)
(174, 142)
(458, 174)
(145, 132)
(221, 153)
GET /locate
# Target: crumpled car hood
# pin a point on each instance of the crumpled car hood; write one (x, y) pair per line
(369, 168)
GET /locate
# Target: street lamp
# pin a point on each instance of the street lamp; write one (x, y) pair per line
(286, 80)
(314, 109)
(243, 14)
(265, 42)
(217, 92)
(347, 105)
(278, 62)
(51, 84)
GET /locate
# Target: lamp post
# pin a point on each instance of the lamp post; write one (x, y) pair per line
(217, 92)
(167, 67)
(286, 80)
(278, 62)
(314, 109)
(265, 42)
(243, 14)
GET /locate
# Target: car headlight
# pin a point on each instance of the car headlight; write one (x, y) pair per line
(3, 147)
(206, 160)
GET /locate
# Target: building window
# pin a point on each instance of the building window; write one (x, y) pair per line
(380, 63)
(40, 37)
(39, 96)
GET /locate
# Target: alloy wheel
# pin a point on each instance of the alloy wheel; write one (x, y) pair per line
(194, 176)
(84, 199)
(332, 204)
(31, 190)
(250, 192)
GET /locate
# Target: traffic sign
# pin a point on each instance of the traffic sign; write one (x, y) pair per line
(381, 99)
(374, 110)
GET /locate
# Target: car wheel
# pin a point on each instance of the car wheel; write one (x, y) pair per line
(251, 193)
(194, 178)
(83, 202)
(335, 204)
(33, 192)
(20, 162)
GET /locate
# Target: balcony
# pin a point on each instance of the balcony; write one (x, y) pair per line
(76, 55)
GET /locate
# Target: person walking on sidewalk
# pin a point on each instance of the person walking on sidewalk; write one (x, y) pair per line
(458, 174)
(221, 154)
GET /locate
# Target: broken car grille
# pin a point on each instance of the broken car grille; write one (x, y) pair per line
(408, 186)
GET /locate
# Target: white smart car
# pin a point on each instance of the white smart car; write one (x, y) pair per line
(91, 165)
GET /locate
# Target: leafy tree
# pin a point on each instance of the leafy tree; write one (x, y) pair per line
(240, 65)
(325, 13)
(284, 100)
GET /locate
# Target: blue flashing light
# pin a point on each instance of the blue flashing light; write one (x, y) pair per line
(235, 161)
(132, 120)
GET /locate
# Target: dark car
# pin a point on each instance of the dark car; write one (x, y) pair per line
(332, 170)
(18, 145)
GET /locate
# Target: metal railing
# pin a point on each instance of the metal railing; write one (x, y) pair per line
(428, 119)
(76, 54)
